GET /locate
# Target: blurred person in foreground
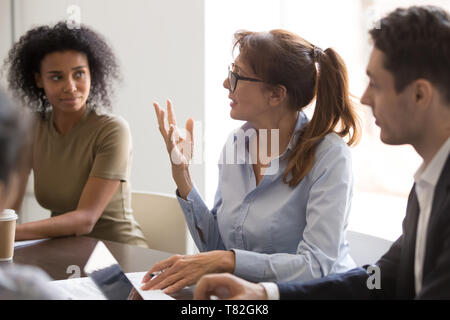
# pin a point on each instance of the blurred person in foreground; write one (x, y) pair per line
(16, 282)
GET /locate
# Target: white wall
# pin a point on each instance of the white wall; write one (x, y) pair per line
(5, 34)
(160, 46)
(222, 19)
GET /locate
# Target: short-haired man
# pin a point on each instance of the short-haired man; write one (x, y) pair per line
(409, 93)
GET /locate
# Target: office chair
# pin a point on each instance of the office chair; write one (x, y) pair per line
(366, 249)
(162, 222)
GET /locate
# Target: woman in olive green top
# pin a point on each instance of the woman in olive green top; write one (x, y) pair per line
(80, 157)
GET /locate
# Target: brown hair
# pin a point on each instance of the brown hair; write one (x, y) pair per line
(280, 57)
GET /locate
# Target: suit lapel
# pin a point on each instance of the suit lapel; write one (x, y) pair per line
(405, 284)
(440, 194)
(441, 197)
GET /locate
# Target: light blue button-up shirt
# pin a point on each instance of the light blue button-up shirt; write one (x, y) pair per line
(279, 233)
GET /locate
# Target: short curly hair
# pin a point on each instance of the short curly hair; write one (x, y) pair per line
(25, 57)
(416, 44)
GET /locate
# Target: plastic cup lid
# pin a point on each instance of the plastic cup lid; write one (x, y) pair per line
(8, 215)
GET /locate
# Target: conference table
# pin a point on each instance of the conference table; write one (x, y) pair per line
(61, 257)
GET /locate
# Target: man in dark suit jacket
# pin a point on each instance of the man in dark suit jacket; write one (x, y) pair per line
(409, 93)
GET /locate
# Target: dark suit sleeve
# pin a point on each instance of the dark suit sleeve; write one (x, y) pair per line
(436, 282)
(351, 284)
(389, 264)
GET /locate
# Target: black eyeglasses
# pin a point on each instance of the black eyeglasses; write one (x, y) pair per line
(233, 77)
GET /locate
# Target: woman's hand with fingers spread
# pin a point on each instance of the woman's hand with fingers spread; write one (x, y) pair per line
(180, 271)
(180, 148)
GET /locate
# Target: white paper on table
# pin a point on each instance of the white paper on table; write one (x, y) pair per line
(86, 289)
(136, 280)
(19, 244)
(77, 289)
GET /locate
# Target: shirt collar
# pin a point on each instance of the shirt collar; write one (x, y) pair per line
(301, 121)
(86, 113)
(432, 172)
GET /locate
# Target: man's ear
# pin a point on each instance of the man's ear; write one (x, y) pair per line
(38, 79)
(278, 94)
(423, 92)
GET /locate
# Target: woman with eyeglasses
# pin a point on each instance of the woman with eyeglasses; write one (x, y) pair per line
(278, 215)
(79, 155)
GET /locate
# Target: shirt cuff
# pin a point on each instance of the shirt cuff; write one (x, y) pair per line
(187, 205)
(272, 290)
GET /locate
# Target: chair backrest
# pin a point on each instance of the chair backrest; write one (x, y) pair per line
(162, 221)
(366, 249)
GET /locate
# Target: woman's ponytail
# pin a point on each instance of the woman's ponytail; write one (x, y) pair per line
(333, 112)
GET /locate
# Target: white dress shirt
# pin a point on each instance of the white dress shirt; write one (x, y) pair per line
(272, 290)
(426, 179)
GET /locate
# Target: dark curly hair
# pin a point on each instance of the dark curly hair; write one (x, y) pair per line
(24, 59)
(416, 44)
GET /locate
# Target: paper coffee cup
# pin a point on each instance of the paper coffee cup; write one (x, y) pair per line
(7, 234)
